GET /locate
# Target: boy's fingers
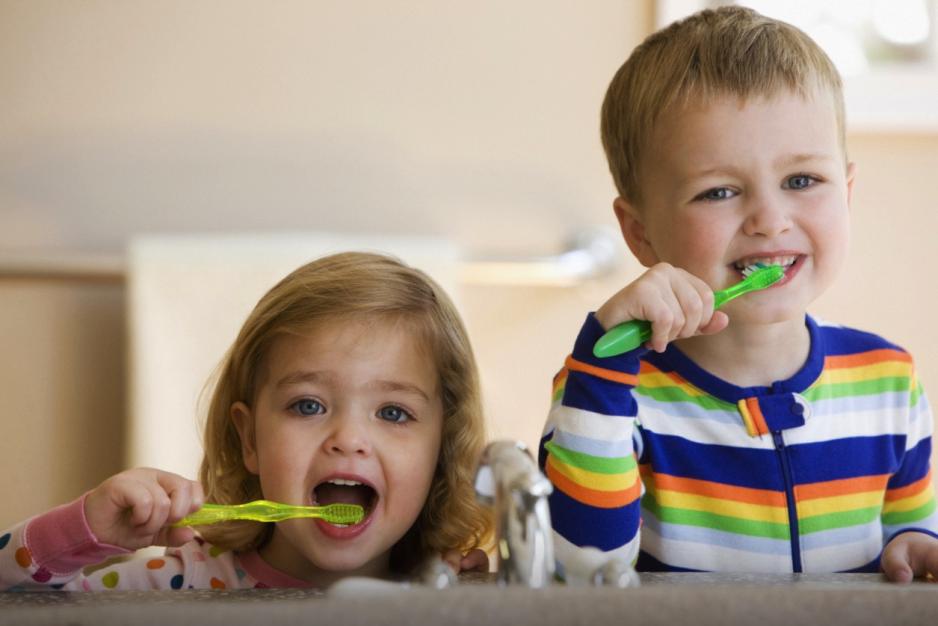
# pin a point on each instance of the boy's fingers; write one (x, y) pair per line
(718, 322)
(895, 563)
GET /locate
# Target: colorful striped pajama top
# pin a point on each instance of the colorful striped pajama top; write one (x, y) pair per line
(657, 461)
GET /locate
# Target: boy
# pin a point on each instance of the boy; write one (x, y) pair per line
(753, 438)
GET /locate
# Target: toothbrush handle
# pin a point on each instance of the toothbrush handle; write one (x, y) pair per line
(623, 338)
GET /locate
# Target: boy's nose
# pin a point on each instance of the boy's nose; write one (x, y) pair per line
(767, 218)
(349, 436)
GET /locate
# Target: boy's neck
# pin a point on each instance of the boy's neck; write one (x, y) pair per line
(751, 355)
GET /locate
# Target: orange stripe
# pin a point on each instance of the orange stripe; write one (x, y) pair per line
(647, 369)
(758, 419)
(600, 372)
(593, 497)
(909, 490)
(559, 376)
(841, 487)
(866, 358)
(711, 489)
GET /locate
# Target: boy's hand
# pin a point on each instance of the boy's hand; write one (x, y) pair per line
(910, 555)
(677, 303)
(474, 561)
(133, 509)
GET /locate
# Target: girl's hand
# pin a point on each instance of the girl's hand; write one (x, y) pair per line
(677, 303)
(134, 509)
(910, 555)
(474, 561)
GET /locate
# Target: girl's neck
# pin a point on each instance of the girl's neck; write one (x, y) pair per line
(751, 355)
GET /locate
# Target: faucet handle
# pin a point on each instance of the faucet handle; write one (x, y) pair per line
(485, 483)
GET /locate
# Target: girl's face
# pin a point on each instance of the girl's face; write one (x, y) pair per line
(348, 412)
(730, 183)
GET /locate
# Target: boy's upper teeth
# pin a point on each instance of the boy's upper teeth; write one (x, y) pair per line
(344, 482)
(751, 262)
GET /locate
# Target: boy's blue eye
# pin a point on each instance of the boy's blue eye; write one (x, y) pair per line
(308, 406)
(799, 181)
(716, 194)
(392, 413)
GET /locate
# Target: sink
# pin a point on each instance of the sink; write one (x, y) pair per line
(700, 599)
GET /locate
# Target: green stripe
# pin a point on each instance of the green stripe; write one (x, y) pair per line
(676, 394)
(840, 519)
(906, 517)
(724, 523)
(597, 464)
(862, 388)
(916, 394)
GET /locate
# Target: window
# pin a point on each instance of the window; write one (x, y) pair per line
(886, 51)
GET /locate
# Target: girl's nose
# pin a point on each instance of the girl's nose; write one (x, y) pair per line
(767, 218)
(349, 436)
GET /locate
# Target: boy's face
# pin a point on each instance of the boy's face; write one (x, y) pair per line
(733, 182)
(349, 412)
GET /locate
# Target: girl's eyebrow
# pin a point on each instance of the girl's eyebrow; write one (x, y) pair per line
(394, 385)
(306, 376)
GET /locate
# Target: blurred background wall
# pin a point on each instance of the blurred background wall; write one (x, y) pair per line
(475, 122)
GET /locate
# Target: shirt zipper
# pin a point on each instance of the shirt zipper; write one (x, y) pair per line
(790, 498)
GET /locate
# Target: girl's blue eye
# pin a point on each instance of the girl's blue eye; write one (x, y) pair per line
(308, 406)
(716, 194)
(799, 181)
(392, 413)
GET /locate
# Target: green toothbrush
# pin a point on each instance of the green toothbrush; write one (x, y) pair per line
(267, 511)
(633, 333)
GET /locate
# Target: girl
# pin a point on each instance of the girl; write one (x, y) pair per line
(351, 381)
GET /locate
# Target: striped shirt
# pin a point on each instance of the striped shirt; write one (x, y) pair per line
(657, 462)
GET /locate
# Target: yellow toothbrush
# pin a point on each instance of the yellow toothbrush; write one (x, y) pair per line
(267, 511)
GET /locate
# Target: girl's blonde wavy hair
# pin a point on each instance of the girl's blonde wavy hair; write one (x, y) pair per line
(348, 286)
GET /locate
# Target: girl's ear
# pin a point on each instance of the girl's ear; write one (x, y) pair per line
(244, 421)
(633, 231)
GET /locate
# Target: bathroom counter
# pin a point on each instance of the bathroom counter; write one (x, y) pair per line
(699, 599)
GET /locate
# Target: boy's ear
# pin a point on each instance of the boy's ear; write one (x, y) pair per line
(243, 420)
(633, 231)
(851, 176)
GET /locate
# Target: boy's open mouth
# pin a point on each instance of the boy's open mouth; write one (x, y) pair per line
(748, 265)
(345, 491)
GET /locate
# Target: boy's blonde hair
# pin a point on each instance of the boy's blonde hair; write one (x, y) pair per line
(354, 286)
(726, 51)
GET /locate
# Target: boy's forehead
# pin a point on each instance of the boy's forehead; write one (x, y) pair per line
(777, 128)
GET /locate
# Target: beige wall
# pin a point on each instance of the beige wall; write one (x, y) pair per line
(475, 121)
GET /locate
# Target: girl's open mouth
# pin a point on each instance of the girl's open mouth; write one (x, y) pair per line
(346, 491)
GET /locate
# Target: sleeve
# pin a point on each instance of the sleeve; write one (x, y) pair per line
(910, 493)
(588, 451)
(50, 551)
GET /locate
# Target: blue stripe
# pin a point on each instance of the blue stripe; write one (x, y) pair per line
(584, 525)
(850, 457)
(915, 465)
(730, 465)
(599, 395)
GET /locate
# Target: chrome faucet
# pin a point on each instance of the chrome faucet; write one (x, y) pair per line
(509, 479)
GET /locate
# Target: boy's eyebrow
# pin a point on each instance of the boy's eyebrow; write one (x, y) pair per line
(782, 162)
(794, 159)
